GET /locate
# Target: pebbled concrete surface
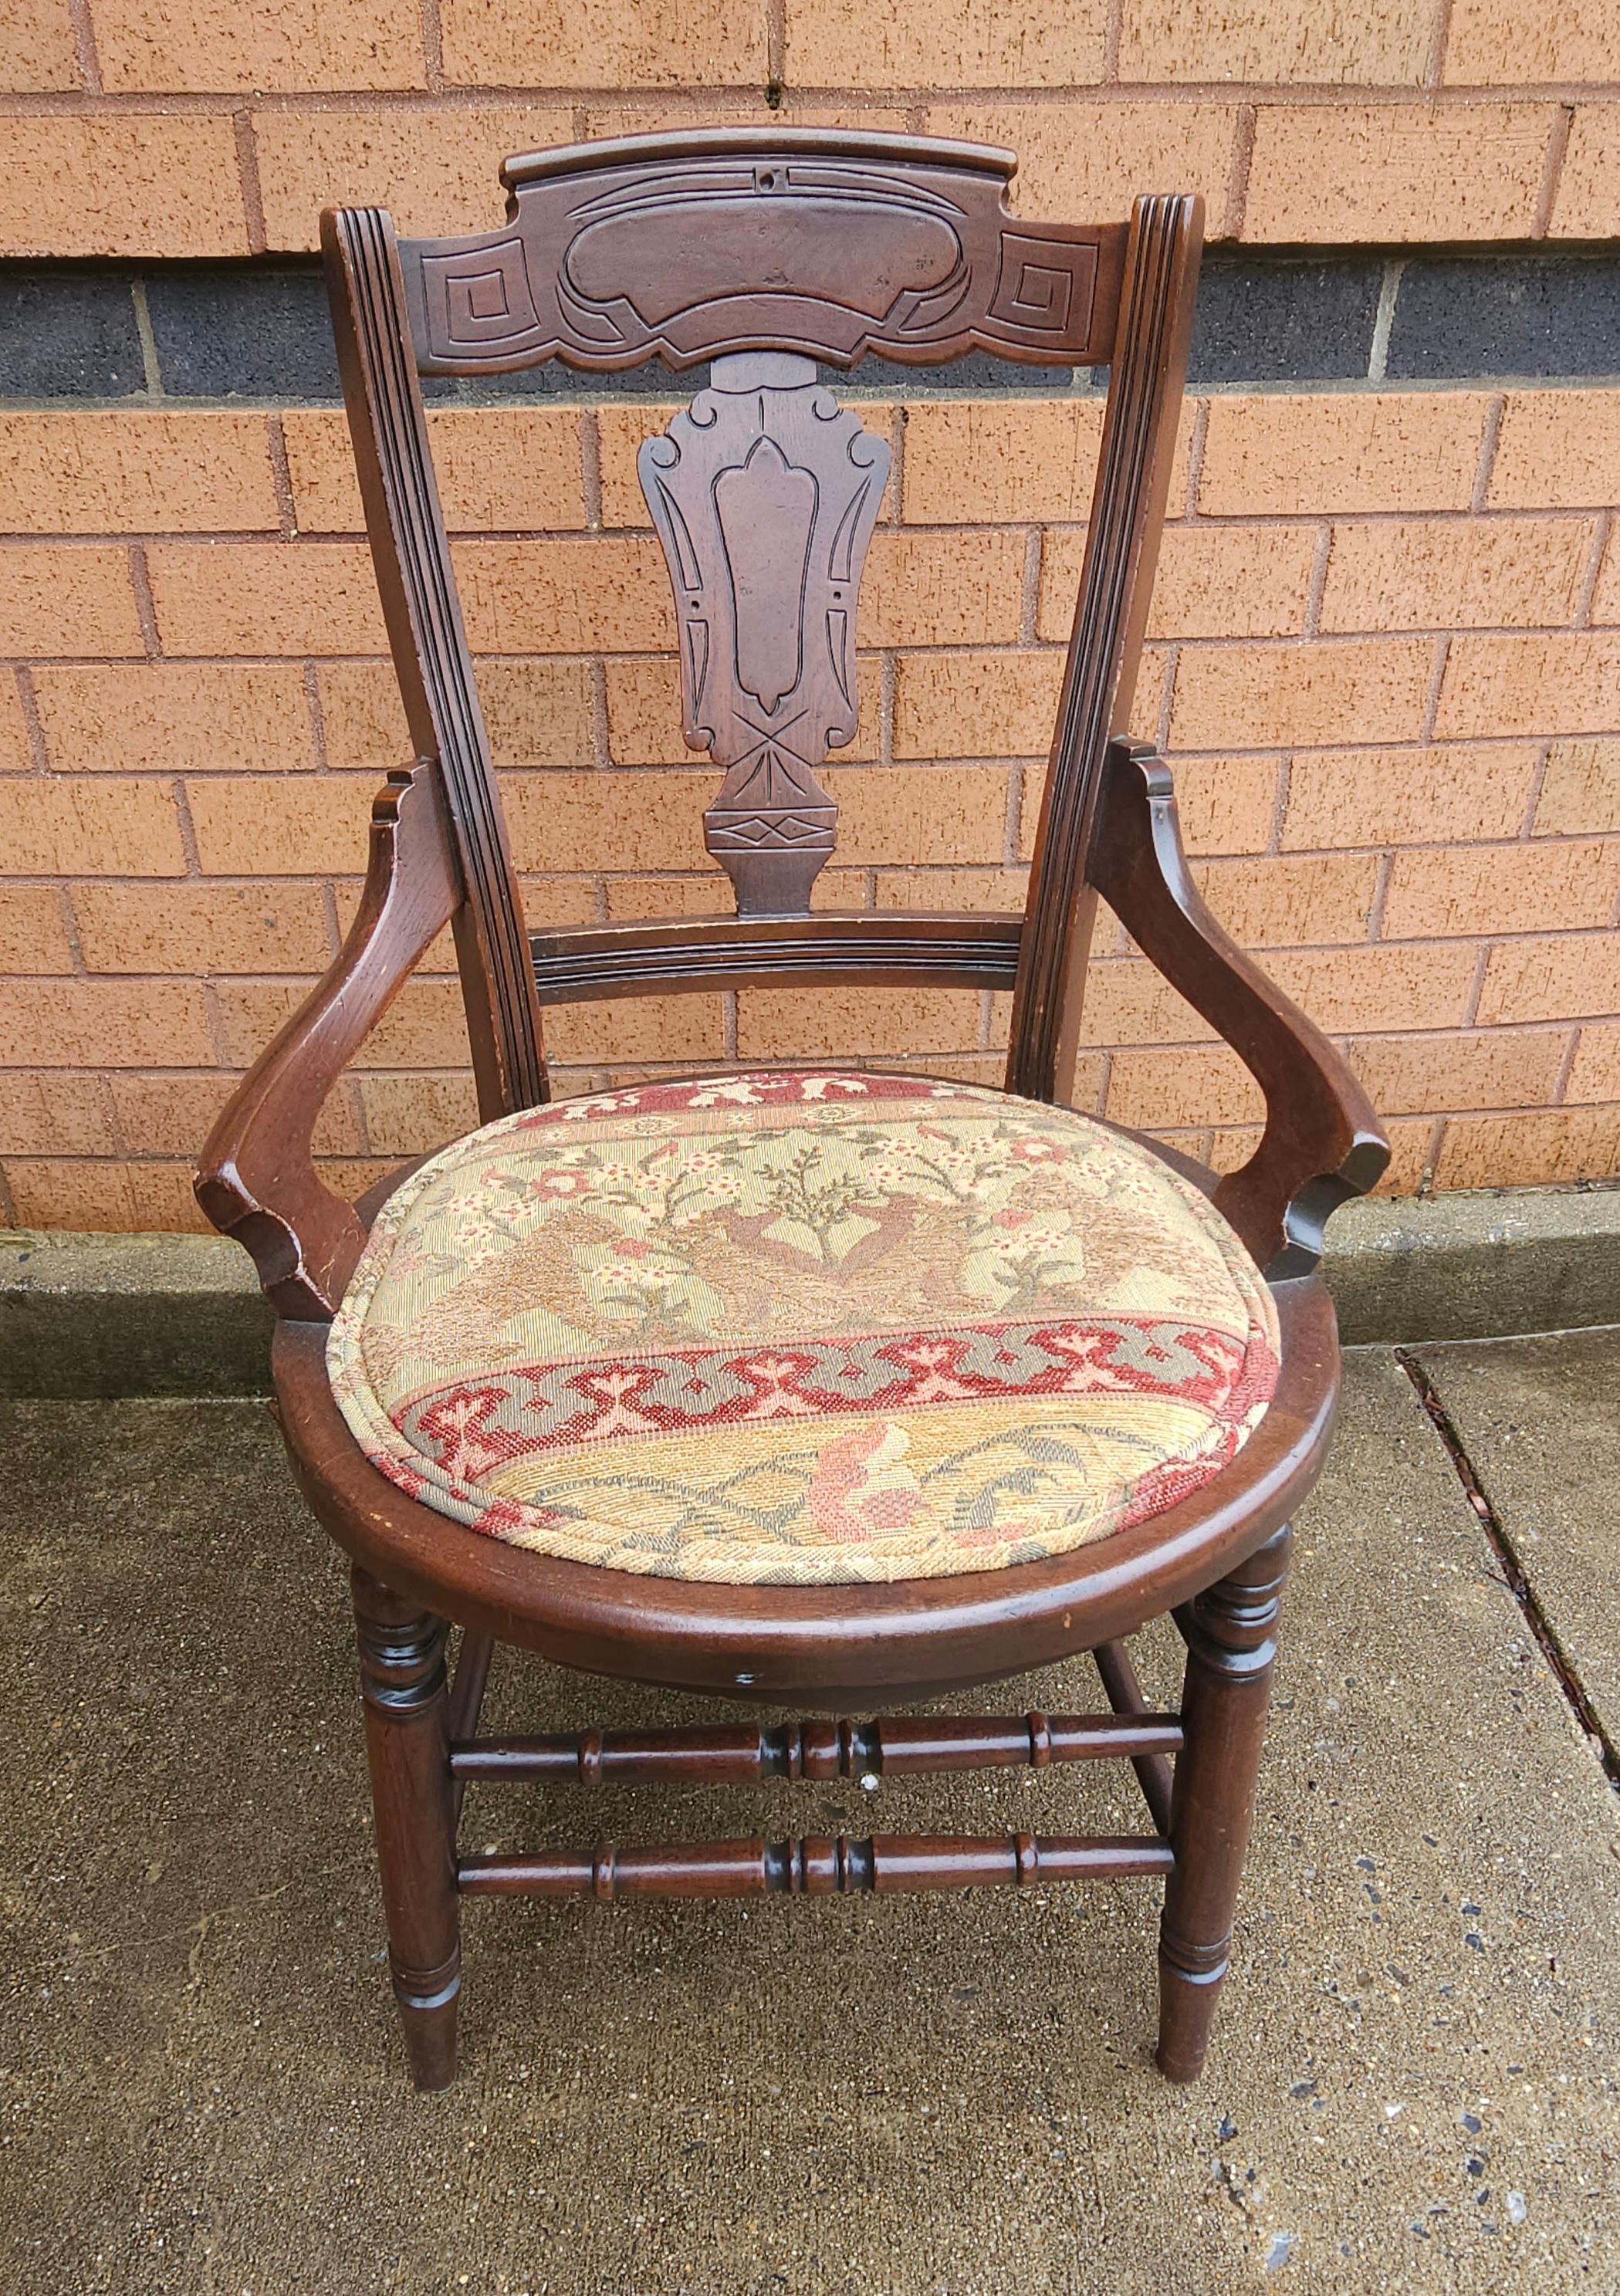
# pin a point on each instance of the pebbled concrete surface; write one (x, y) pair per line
(1414, 2085)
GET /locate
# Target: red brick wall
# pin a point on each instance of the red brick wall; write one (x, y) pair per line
(1386, 651)
(147, 127)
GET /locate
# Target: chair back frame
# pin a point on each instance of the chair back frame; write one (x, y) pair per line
(763, 249)
(764, 494)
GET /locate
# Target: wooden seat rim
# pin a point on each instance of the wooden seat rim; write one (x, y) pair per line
(829, 1644)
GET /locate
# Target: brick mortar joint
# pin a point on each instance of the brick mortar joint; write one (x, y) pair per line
(461, 94)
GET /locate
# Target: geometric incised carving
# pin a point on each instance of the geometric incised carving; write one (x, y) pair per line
(1041, 284)
(767, 497)
(862, 258)
(764, 493)
(486, 299)
(826, 243)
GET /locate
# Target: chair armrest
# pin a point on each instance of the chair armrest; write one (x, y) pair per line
(1322, 1142)
(257, 1179)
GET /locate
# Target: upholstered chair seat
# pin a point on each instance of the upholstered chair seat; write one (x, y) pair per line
(799, 1327)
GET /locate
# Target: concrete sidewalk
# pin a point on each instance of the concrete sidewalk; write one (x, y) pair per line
(1414, 2085)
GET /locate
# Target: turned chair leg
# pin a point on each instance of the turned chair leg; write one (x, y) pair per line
(402, 1679)
(1230, 1647)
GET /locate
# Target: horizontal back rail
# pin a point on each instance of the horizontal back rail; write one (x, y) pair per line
(881, 947)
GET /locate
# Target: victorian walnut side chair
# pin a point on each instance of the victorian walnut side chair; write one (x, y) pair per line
(797, 1386)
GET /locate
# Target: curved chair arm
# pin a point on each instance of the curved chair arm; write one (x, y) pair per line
(1322, 1142)
(257, 1180)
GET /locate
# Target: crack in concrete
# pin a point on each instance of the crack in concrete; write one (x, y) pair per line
(1515, 1576)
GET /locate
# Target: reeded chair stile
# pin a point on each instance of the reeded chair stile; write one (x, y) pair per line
(829, 1386)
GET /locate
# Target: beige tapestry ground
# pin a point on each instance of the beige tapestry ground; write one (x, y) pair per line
(799, 1327)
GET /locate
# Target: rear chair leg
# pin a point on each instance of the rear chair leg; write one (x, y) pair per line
(1230, 1647)
(402, 1679)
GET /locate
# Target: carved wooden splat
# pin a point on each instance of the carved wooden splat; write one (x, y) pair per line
(830, 243)
(764, 493)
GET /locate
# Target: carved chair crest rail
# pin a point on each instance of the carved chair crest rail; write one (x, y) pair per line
(450, 1353)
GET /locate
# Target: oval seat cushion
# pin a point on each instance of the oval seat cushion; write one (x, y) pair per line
(802, 1327)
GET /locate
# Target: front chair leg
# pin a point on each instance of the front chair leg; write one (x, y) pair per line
(402, 1679)
(1230, 1647)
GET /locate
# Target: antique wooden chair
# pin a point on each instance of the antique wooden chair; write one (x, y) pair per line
(814, 1386)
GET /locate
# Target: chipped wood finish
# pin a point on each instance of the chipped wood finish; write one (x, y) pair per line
(814, 1866)
(889, 1746)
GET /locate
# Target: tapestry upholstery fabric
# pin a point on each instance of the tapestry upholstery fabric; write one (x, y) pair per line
(802, 1327)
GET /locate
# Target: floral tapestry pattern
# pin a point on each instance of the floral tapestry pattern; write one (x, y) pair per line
(802, 1327)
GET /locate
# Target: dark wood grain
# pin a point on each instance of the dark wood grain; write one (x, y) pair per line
(889, 1746)
(411, 553)
(402, 1680)
(762, 249)
(1321, 1143)
(764, 494)
(649, 956)
(466, 1698)
(815, 1866)
(256, 1179)
(1116, 1671)
(1144, 392)
(823, 241)
(1231, 1648)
